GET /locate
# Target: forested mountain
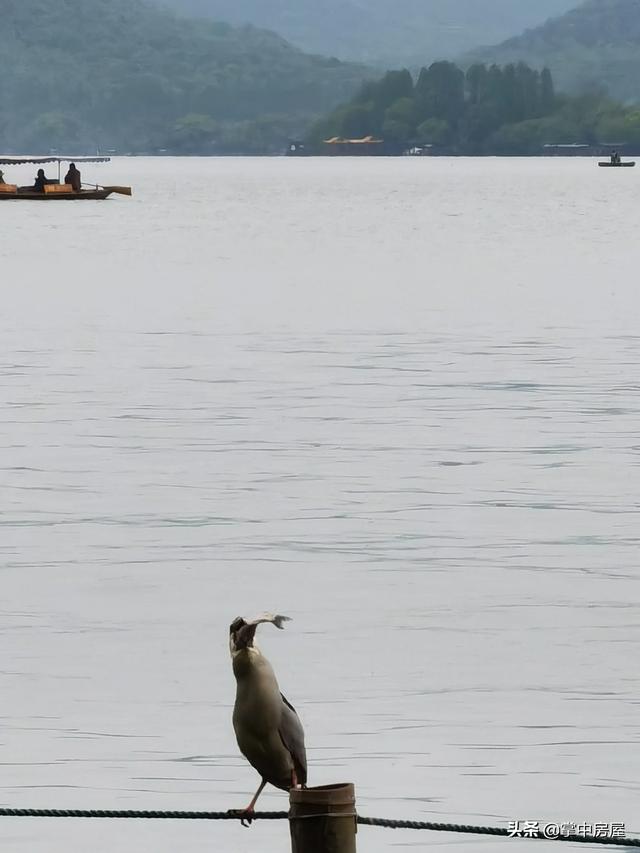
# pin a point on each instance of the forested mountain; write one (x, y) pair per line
(383, 32)
(117, 73)
(594, 47)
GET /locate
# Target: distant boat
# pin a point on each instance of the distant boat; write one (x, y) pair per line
(607, 164)
(54, 190)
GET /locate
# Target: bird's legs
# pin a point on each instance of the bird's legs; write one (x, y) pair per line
(295, 783)
(246, 815)
(252, 805)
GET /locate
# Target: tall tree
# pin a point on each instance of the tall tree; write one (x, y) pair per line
(476, 83)
(547, 92)
(440, 92)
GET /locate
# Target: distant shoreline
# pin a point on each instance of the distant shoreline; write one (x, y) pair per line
(448, 156)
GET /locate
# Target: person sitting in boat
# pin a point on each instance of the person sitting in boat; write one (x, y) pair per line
(615, 159)
(74, 178)
(41, 181)
(1, 177)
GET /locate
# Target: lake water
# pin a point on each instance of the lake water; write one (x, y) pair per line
(397, 400)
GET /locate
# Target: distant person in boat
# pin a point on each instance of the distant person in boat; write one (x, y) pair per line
(74, 178)
(1, 177)
(615, 159)
(41, 181)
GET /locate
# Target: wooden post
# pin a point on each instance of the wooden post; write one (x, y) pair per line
(324, 819)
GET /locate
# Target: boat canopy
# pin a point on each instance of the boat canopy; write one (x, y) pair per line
(22, 161)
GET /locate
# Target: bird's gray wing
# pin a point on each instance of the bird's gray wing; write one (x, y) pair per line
(292, 736)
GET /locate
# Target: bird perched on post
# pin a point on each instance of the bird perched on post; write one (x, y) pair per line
(267, 727)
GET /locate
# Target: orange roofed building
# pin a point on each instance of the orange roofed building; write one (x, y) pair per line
(366, 146)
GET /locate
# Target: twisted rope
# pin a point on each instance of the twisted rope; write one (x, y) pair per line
(494, 830)
(119, 814)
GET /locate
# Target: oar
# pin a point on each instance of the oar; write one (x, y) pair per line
(119, 190)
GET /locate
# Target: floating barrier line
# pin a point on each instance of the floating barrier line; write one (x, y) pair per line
(118, 814)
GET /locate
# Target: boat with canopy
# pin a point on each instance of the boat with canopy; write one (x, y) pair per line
(54, 190)
(615, 161)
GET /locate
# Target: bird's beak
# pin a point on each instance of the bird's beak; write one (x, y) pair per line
(244, 636)
(241, 635)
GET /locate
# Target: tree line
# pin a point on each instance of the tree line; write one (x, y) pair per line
(487, 109)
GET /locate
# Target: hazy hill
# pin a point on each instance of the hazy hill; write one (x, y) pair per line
(88, 73)
(384, 32)
(596, 46)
